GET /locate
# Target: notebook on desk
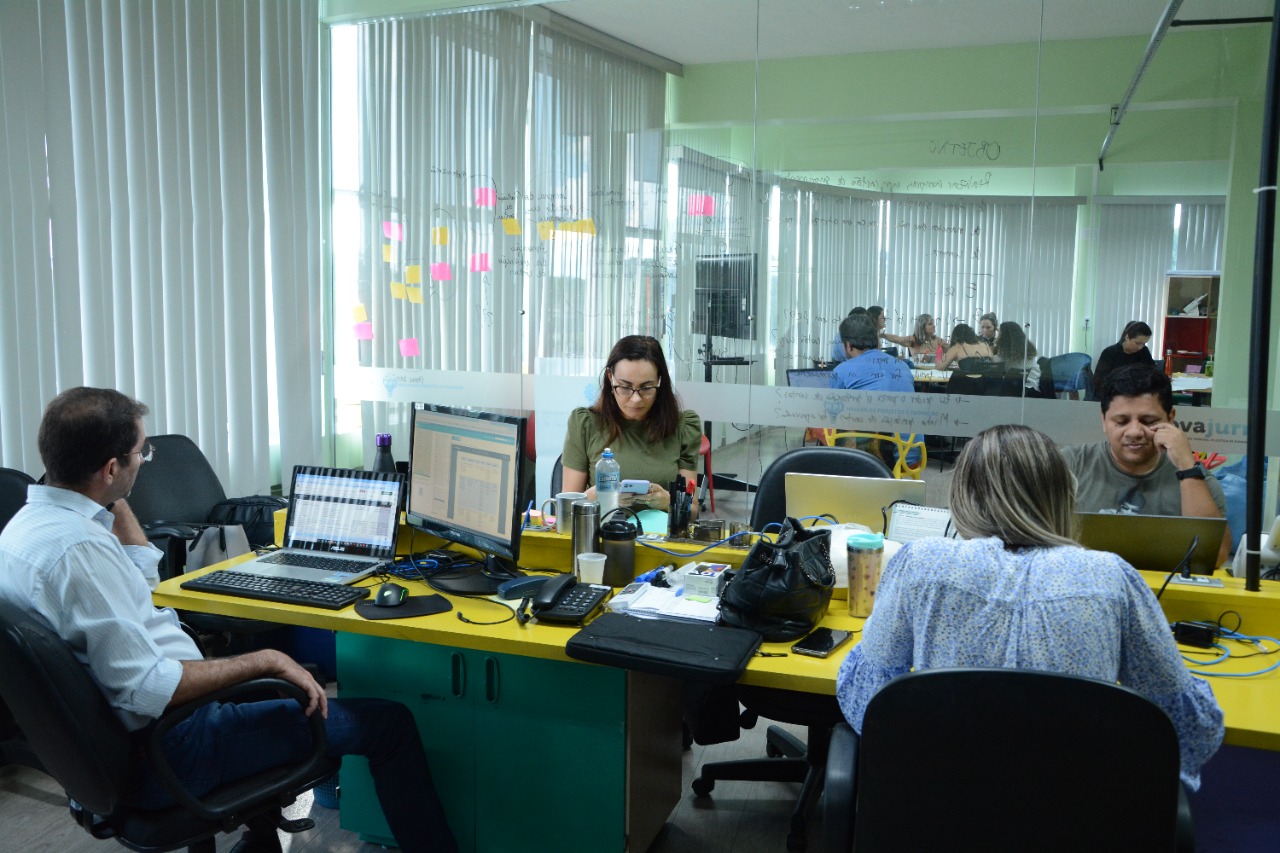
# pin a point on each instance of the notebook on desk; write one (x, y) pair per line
(1154, 543)
(856, 499)
(341, 526)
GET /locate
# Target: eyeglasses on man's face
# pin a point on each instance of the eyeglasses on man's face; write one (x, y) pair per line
(148, 450)
(625, 392)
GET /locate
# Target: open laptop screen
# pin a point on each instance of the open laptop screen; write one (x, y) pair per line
(1154, 543)
(343, 511)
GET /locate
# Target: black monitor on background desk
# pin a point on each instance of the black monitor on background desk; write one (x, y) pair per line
(804, 378)
(465, 471)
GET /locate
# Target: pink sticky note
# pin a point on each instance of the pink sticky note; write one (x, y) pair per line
(480, 262)
(409, 347)
(364, 331)
(441, 272)
(393, 231)
(702, 205)
(486, 197)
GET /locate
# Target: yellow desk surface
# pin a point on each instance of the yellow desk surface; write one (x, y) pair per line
(1252, 705)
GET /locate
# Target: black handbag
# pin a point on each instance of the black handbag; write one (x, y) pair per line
(783, 587)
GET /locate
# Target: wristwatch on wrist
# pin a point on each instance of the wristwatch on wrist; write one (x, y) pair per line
(1195, 472)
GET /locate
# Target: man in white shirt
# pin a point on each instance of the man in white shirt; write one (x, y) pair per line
(76, 557)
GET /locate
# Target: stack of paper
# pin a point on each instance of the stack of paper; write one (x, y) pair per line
(660, 601)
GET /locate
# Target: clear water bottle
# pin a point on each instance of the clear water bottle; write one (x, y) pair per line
(608, 481)
(383, 462)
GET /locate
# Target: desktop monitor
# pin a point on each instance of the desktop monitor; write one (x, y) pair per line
(809, 378)
(465, 471)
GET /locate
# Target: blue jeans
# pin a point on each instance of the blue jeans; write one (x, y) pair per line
(221, 743)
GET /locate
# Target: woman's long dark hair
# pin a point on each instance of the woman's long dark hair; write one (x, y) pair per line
(1012, 345)
(664, 418)
(1134, 329)
(963, 333)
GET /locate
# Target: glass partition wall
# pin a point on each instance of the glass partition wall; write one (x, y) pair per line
(516, 188)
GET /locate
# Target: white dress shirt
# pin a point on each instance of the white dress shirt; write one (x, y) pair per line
(60, 561)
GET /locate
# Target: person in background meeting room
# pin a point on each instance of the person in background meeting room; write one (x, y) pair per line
(1145, 466)
(75, 557)
(837, 346)
(1017, 355)
(1130, 349)
(638, 416)
(924, 339)
(964, 344)
(866, 367)
(987, 329)
(1016, 591)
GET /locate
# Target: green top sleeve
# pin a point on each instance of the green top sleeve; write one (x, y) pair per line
(586, 437)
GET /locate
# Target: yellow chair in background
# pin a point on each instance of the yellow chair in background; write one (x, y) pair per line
(901, 470)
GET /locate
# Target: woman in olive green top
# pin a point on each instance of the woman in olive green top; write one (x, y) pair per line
(637, 415)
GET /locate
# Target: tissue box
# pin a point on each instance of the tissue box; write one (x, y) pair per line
(702, 578)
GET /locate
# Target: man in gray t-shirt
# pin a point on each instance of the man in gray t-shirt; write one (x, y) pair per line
(1145, 467)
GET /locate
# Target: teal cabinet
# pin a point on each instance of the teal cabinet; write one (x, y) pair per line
(526, 753)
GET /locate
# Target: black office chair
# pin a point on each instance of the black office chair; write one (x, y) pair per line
(13, 493)
(84, 746)
(1006, 760)
(173, 491)
(557, 476)
(14, 748)
(789, 759)
(771, 501)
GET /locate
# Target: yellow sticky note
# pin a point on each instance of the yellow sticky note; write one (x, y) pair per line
(413, 274)
(440, 236)
(397, 290)
(386, 253)
(579, 226)
(511, 226)
(415, 294)
(546, 230)
(359, 313)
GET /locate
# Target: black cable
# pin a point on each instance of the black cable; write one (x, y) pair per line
(507, 618)
(1183, 567)
(884, 512)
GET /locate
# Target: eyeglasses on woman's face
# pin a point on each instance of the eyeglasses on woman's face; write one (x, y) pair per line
(625, 392)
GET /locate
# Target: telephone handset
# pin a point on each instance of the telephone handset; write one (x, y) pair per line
(563, 599)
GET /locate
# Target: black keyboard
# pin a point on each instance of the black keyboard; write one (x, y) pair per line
(331, 596)
(316, 561)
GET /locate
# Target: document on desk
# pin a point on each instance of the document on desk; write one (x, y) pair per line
(908, 522)
(664, 602)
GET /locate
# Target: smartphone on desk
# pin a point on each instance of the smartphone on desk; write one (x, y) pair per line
(821, 643)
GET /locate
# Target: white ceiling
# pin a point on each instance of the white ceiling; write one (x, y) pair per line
(697, 31)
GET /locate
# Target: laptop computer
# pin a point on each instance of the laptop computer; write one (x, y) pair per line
(809, 378)
(857, 499)
(341, 526)
(1154, 543)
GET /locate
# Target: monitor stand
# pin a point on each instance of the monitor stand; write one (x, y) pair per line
(480, 578)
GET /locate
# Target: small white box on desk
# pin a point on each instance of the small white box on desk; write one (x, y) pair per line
(702, 578)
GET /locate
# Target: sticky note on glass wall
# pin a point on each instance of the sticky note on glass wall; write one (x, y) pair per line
(415, 295)
(409, 347)
(440, 236)
(441, 272)
(364, 331)
(702, 205)
(480, 262)
(511, 226)
(359, 313)
(397, 290)
(486, 197)
(579, 226)
(386, 253)
(393, 230)
(546, 230)
(413, 274)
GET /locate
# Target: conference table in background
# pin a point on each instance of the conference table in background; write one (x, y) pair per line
(534, 750)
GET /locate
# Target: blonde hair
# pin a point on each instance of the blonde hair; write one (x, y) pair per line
(919, 334)
(1011, 482)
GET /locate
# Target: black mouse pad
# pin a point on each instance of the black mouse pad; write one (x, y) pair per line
(415, 605)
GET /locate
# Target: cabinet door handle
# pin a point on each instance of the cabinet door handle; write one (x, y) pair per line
(491, 680)
(458, 673)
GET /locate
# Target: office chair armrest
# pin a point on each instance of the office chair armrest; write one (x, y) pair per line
(1185, 834)
(290, 775)
(841, 789)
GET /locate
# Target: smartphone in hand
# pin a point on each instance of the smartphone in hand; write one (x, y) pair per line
(635, 487)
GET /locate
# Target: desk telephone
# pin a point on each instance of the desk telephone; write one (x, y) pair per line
(563, 599)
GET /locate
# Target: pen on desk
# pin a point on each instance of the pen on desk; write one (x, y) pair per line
(772, 654)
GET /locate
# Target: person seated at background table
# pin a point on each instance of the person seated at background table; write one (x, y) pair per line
(76, 558)
(867, 367)
(987, 329)
(1130, 349)
(964, 344)
(923, 340)
(837, 346)
(1017, 592)
(1017, 356)
(1145, 466)
(638, 416)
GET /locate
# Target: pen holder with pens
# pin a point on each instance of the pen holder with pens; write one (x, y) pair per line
(679, 511)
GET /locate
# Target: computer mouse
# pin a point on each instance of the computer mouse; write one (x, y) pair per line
(390, 595)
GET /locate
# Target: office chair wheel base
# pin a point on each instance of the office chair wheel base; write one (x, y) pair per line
(702, 787)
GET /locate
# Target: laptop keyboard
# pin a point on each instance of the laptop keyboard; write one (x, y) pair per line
(331, 596)
(315, 561)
